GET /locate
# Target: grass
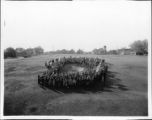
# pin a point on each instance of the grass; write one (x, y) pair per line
(125, 93)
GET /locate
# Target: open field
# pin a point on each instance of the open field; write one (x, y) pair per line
(125, 93)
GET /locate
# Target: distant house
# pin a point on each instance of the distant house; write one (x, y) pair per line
(125, 51)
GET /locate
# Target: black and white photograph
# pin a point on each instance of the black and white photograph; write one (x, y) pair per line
(76, 59)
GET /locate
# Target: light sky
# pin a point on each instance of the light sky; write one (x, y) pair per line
(75, 25)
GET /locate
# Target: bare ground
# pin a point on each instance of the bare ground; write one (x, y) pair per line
(125, 93)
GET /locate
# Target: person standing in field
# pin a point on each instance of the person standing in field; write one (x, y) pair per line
(102, 70)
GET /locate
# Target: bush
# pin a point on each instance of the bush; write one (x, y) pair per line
(20, 52)
(28, 52)
(80, 51)
(38, 50)
(10, 52)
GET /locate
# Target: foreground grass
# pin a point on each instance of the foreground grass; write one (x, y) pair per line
(124, 95)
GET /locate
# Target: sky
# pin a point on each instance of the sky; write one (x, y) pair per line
(74, 25)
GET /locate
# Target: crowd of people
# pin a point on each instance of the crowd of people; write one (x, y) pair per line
(83, 61)
(55, 77)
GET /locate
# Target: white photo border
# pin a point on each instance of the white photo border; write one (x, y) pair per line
(73, 117)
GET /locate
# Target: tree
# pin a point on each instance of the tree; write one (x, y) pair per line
(63, 51)
(145, 44)
(38, 50)
(10, 52)
(99, 51)
(71, 51)
(80, 51)
(115, 52)
(140, 47)
(29, 52)
(20, 52)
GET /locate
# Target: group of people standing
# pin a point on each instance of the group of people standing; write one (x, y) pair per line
(54, 77)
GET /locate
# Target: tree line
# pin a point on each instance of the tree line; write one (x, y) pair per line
(64, 51)
(10, 52)
(140, 47)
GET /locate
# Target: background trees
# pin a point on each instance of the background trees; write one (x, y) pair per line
(80, 51)
(38, 50)
(29, 52)
(21, 52)
(99, 51)
(10, 52)
(140, 47)
(72, 51)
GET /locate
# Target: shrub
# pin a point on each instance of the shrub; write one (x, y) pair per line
(38, 50)
(10, 52)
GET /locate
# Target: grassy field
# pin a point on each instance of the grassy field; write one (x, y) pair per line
(125, 93)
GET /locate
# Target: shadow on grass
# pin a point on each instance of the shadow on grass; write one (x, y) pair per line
(112, 82)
